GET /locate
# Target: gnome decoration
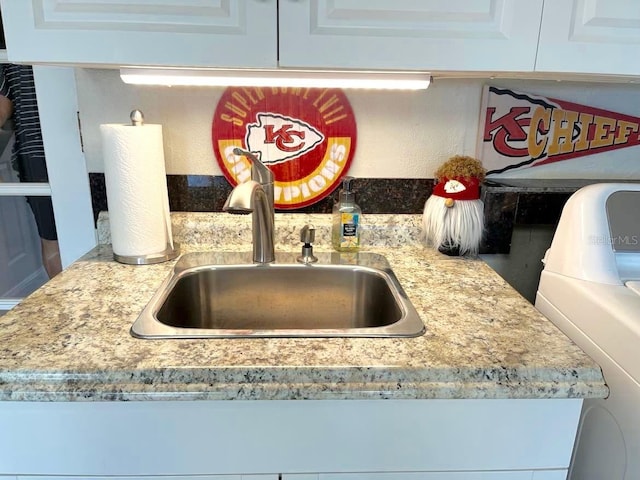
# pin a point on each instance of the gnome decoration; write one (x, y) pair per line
(453, 215)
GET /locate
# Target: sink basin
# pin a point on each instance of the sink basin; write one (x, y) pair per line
(225, 295)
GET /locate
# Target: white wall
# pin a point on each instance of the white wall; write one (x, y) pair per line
(400, 134)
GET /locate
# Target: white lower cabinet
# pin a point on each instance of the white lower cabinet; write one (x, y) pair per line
(495, 475)
(146, 477)
(528, 439)
(513, 475)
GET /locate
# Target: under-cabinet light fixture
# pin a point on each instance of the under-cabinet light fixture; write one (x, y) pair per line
(274, 78)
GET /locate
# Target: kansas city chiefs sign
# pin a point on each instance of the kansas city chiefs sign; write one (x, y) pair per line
(519, 130)
(306, 137)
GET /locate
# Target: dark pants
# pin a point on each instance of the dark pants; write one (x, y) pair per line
(34, 169)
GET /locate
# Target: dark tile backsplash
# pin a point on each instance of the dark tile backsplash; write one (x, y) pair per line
(540, 208)
(506, 204)
(197, 193)
(206, 193)
(98, 194)
(511, 202)
(499, 217)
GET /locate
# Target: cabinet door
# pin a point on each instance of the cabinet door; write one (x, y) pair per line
(590, 36)
(410, 34)
(142, 32)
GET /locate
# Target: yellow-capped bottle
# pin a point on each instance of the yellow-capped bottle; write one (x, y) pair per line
(345, 235)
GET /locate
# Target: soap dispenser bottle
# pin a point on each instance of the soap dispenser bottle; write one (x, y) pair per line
(345, 235)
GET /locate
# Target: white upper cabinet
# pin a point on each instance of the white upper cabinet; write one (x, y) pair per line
(230, 33)
(590, 36)
(479, 35)
(569, 36)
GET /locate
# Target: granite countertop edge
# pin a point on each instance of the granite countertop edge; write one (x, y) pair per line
(348, 391)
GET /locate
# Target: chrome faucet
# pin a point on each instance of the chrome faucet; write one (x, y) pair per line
(256, 197)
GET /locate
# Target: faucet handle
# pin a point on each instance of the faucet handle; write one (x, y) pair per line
(259, 171)
(307, 236)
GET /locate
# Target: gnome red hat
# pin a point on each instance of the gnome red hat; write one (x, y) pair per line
(458, 188)
(454, 214)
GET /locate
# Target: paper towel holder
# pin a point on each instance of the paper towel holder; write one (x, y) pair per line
(169, 253)
(172, 249)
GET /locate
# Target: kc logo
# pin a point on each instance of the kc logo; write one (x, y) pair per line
(278, 138)
(305, 136)
(508, 131)
(283, 137)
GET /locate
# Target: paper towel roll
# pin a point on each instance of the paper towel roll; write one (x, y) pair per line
(136, 186)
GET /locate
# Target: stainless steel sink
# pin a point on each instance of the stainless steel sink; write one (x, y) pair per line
(225, 295)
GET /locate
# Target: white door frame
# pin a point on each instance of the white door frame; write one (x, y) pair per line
(68, 178)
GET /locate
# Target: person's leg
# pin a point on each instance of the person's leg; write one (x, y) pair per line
(34, 169)
(51, 257)
(43, 214)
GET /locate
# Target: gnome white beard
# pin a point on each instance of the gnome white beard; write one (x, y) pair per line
(460, 225)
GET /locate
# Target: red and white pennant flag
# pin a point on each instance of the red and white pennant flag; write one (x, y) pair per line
(519, 130)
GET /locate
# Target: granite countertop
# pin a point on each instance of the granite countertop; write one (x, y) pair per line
(70, 340)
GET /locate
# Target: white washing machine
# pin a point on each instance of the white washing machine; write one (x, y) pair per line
(590, 288)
